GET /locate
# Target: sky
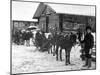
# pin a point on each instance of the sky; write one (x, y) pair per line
(26, 10)
(23, 10)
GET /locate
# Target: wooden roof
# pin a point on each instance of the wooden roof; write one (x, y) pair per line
(39, 10)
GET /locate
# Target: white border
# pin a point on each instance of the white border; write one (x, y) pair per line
(5, 36)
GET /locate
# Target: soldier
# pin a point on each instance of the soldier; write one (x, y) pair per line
(17, 37)
(23, 36)
(20, 37)
(38, 39)
(88, 42)
(27, 38)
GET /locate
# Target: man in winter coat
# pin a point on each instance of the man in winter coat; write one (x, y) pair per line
(89, 42)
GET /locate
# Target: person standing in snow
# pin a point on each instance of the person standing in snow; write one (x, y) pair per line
(88, 42)
(27, 38)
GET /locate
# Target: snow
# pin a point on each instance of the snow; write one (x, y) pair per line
(29, 59)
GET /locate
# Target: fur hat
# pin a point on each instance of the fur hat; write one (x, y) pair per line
(88, 27)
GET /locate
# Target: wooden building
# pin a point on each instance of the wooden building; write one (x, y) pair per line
(58, 17)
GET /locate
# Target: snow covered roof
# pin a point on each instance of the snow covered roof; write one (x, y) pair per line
(66, 9)
(74, 9)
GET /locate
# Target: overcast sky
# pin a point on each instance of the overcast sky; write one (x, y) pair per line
(25, 10)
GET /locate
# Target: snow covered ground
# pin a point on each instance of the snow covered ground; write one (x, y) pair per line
(29, 59)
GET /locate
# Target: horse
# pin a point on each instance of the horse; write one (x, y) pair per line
(49, 43)
(52, 43)
(65, 42)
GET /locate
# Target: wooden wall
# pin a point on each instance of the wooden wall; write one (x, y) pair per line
(53, 22)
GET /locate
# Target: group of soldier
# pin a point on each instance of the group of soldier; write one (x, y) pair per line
(22, 37)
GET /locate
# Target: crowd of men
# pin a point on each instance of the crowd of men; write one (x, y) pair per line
(22, 36)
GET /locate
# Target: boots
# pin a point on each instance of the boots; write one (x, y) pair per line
(86, 62)
(89, 62)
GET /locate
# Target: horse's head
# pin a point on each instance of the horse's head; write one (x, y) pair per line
(80, 37)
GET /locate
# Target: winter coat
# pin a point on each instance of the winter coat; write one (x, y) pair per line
(88, 41)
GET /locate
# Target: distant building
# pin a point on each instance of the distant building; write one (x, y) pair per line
(19, 25)
(59, 17)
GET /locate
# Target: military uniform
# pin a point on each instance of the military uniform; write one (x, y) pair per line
(88, 41)
(88, 45)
